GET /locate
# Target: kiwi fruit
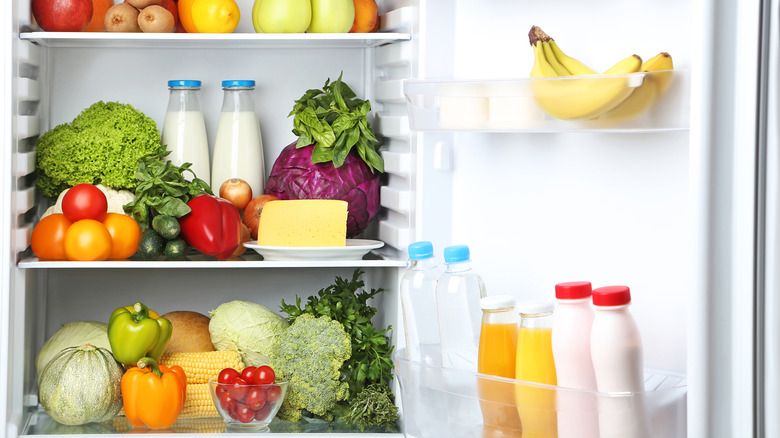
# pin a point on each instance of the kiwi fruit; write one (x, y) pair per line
(140, 4)
(122, 17)
(156, 19)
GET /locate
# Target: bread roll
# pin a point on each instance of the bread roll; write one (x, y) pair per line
(190, 332)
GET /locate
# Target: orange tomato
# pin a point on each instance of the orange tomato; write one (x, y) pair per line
(48, 237)
(125, 234)
(87, 240)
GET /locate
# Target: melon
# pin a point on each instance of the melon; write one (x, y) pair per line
(81, 385)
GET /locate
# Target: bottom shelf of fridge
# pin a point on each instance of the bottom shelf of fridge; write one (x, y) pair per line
(445, 402)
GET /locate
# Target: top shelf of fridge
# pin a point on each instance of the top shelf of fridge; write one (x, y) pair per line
(201, 41)
(635, 102)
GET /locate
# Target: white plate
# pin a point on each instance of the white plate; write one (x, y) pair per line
(354, 250)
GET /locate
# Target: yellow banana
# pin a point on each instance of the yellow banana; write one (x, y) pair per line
(653, 86)
(574, 66)
(556, 65)
(541, 68)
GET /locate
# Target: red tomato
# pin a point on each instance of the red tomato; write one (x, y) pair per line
(263, 413)
(225, 400)
(48, 237)
(244, 414)
(238, 389)
(255, 398)
(248, 374)
(273, 394)
(227, 375)
(264, 375)
(84, 201)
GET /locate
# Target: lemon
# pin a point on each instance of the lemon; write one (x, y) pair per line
(215, 16)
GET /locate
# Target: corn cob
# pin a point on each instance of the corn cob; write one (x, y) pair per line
(182, 425)
(198, 402)
(202, 366)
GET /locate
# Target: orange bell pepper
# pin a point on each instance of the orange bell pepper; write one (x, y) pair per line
(153, 395)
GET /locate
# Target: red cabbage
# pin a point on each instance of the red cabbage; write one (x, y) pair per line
(294, 176)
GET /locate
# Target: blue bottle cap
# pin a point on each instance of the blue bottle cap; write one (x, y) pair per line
(420, 250)
(238, 84)
(456, 253)
(180, 83)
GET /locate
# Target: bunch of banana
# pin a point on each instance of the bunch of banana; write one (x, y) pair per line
(582, 97)
(653, 86)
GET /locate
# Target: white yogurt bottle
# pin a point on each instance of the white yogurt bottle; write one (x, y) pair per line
(616, 350)
(238, 149)
(575, 398)
(184, 129)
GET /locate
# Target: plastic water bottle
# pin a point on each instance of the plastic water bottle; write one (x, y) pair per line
(616, 349)
(418, 302)
(577, 414)
(458, 295)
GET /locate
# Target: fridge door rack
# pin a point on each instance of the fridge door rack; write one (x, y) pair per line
(525, 105)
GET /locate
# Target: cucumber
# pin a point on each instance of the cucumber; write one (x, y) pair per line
(151, 245)
(167, 226)
(176, 249)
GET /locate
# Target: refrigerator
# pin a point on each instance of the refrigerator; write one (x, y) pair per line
(679, 204)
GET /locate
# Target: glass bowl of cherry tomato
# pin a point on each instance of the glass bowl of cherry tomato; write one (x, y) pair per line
(249, 398)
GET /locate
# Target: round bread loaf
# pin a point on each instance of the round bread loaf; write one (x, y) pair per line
(190, 332)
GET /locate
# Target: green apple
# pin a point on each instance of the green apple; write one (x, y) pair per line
(331, 16)
(281, 16)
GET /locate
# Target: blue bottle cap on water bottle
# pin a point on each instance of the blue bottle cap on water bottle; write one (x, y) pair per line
(420, 250)
(228, 84)
(456, 253)
(183, 83)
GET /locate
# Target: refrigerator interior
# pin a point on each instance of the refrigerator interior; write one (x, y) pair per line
(536, 208)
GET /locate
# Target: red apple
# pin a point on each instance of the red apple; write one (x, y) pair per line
(62, 15)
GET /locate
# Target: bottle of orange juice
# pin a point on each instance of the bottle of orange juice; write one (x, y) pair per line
(497, 355)
(536, 403)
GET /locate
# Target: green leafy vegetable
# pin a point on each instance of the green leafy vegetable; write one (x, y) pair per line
(371, 350)
(102, 145)
(373, 407)
(335, 121)
(163, 189)
(309, 355)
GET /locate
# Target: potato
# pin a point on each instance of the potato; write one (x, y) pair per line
(190, 332)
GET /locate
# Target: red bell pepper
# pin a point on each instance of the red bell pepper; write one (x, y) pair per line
(213, 227)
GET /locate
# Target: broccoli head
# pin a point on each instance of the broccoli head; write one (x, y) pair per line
(309, 355)
(102, 145)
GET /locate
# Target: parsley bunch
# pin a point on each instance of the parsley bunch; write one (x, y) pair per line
(335, 121)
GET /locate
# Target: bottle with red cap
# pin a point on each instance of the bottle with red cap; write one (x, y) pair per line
(577, 415)
(616, 350)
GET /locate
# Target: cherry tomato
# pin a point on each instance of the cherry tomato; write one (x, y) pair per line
(84, 201)
(48, 237)
(87, 240)
(264, 375)
(248, 374)
(125, 235)
(273, 393)
(225, 400)
(255, 398)
(263, 413)
(238, 389)
(244, 414)
(227, 375)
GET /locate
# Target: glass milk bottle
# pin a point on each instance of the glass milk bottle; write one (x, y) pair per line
(238, 149)
(184, 130)
(418, 301)
(536, 404)
(497, 356)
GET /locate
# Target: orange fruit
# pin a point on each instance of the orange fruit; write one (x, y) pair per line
(185, 16)
(125, 234)
(215, 16)
(366, 16)
(48, 237)
(87, 240)
(99, 9)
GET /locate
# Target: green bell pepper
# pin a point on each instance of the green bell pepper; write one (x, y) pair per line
(134, 334)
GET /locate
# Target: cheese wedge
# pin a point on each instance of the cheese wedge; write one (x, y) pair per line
(303, 223)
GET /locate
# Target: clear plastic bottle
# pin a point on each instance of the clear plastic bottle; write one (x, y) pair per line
(536, 404)
(184, 129)
(418, 302)
(238, 149)
(577, 415)
(497, 356)
(616, 349)
(458, 294)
